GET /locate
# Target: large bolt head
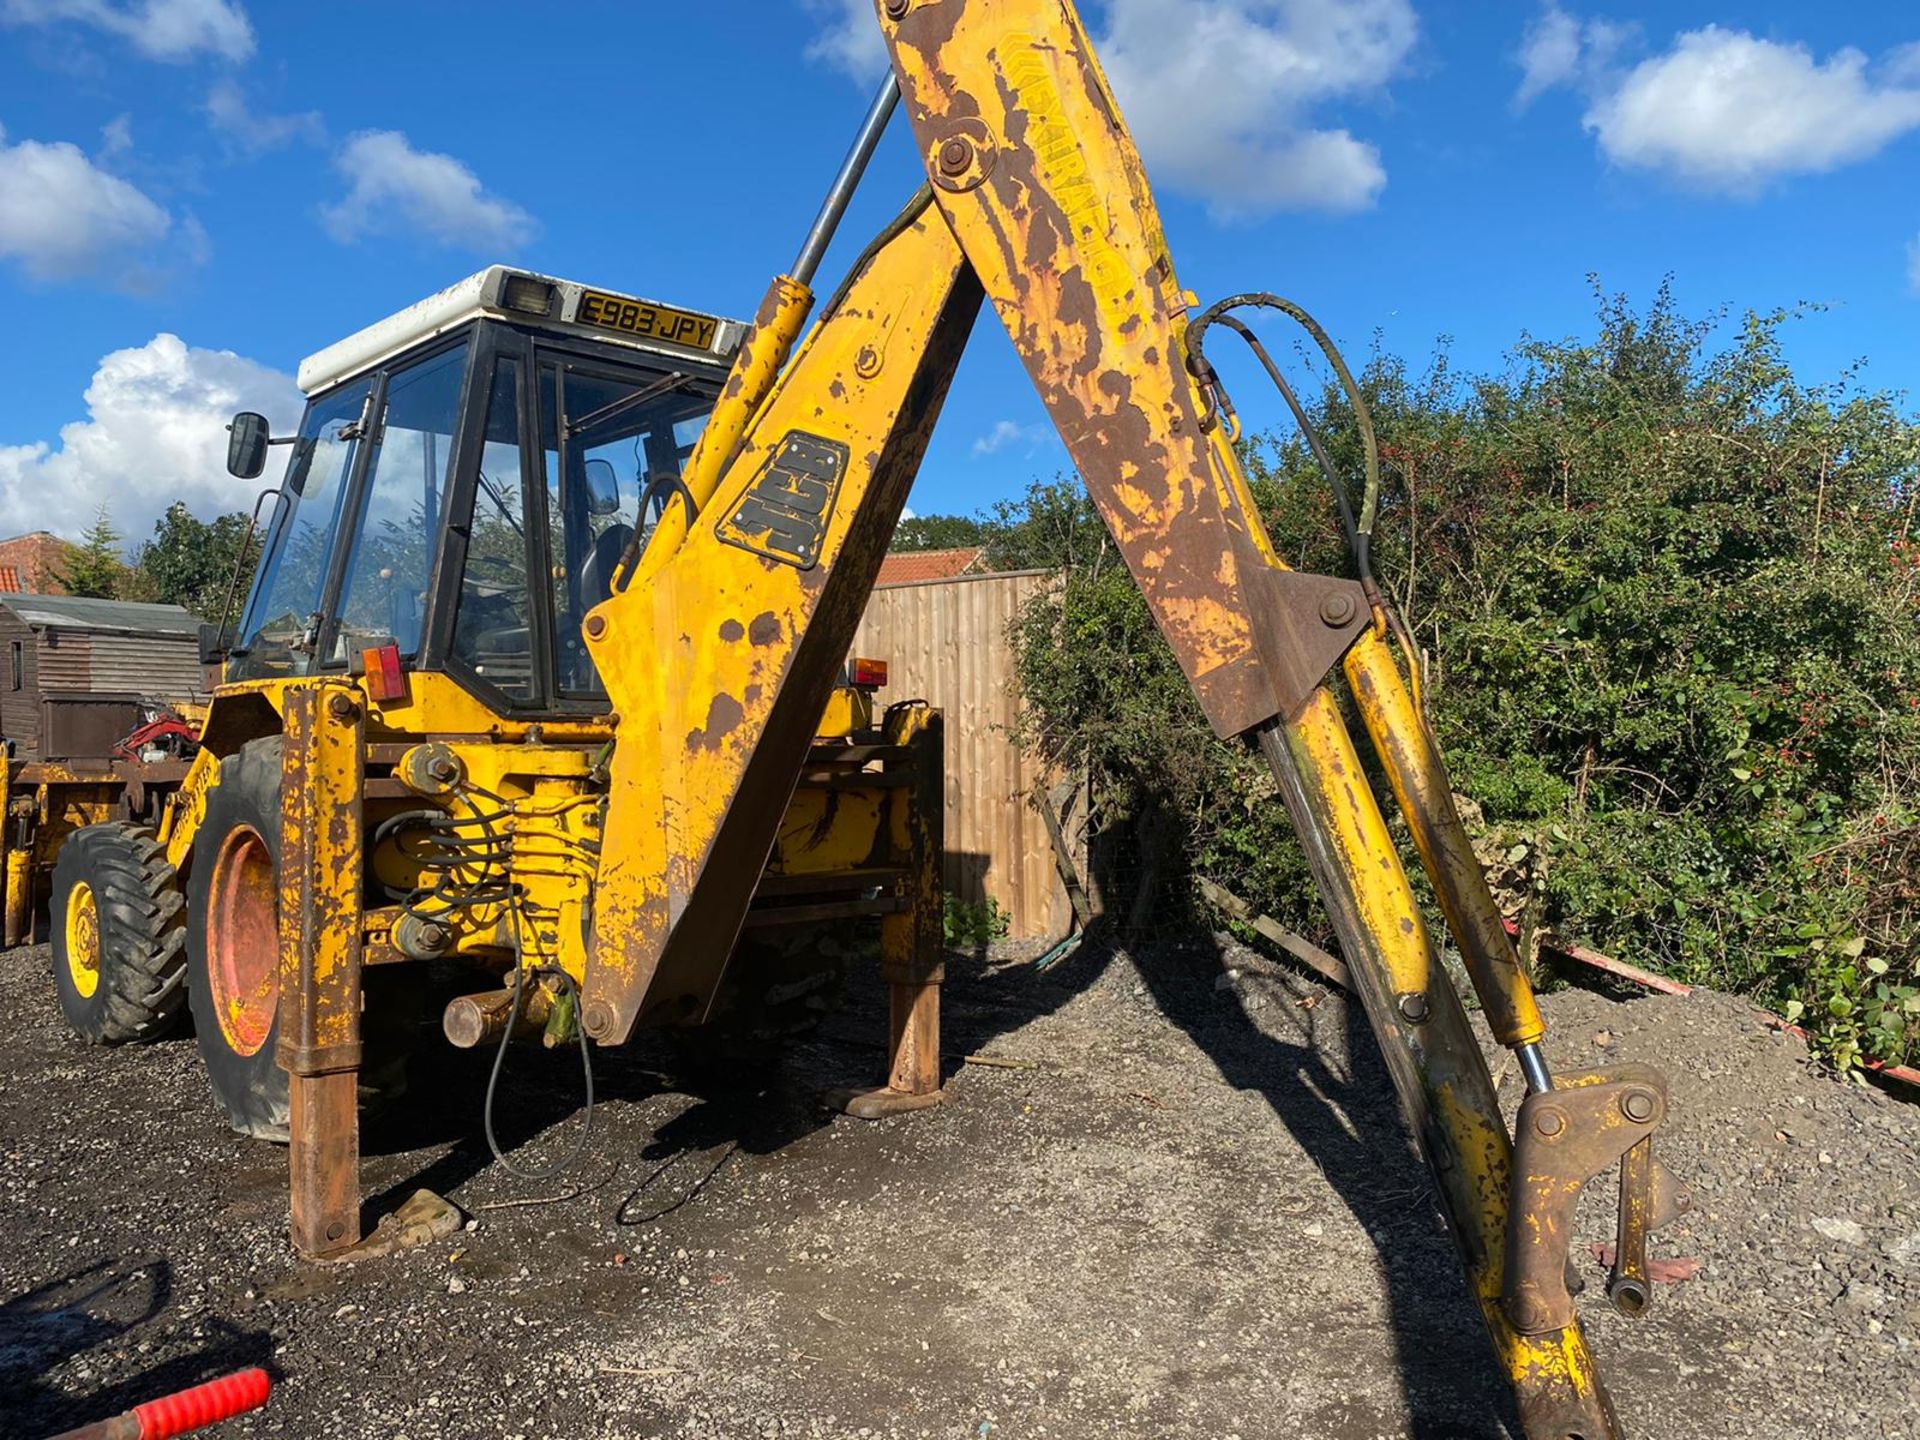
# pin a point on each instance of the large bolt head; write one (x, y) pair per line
(1638, 1106)
(1549, 1122)
(955, 156)
(1337, 609)
(1415, 1008)
(897, 9)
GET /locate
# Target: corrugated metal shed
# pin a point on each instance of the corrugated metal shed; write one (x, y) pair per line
(62, 645)
(160, 667)
(121, 617)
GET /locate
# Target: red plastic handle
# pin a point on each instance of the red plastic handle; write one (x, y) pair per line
(206, 1404)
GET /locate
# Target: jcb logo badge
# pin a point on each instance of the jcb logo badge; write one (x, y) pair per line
(785, 511)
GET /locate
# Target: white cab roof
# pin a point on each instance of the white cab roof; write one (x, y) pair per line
(625, 320)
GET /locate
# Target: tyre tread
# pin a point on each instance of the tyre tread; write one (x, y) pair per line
(142, 932)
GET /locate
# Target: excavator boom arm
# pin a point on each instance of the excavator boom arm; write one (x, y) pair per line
(722, 644)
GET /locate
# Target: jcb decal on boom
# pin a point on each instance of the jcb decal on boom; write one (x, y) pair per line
(784, 513)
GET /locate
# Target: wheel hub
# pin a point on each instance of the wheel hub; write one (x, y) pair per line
(243, 941)
(83, 940)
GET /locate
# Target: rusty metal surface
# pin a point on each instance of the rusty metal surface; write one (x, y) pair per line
(1434, 1061)
(471, 1020)
(1034, 170)
(1564, 1138)
(913, 944)
(1628, 1286)
(1421, 786)
(320, 938)
(719, 660)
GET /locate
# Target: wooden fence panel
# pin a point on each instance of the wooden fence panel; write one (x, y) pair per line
(945, 641)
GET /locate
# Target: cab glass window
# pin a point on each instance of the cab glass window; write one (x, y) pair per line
(605, 439)
(386, 588)
(491, 630)
(282, 622)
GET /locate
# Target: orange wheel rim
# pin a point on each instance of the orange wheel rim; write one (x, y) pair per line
(243, 940)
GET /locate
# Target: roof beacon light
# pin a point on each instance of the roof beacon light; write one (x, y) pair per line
(527, 295)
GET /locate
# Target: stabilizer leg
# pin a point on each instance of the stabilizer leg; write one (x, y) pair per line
(320, 930)
(912, 944)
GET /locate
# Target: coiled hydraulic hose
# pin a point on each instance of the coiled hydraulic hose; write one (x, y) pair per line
(473, 870)
(1356, 527)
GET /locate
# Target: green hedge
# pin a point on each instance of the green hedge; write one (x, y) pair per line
(1669, 596)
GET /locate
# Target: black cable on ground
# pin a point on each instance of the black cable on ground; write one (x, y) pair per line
(573, 1156)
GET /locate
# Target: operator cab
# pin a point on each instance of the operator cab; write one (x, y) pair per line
(466, 479)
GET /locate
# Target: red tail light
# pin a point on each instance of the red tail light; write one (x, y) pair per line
(385, 679)
(869, 674)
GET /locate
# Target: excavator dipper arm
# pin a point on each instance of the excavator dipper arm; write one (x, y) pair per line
(721, 647)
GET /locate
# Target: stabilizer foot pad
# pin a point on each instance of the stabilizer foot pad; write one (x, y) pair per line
(423, 1219)
(880, 1103)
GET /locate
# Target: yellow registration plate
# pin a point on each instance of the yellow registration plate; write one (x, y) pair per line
(648, 321)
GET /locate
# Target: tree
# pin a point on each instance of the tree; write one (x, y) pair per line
(191, 563)
(94, 568)
(941, 532)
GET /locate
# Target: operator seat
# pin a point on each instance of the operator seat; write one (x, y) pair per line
(596, 576)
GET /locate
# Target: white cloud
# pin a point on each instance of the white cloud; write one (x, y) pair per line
(1559, 49)
(1220, 94)
(170, 30)
(1721, 109)
(234, 118)
(396, 187)
(1549, 53)
(61, 216)
(849, 38)
(1007, 434)
(116, 137)
(1726, 111)
(155, 433)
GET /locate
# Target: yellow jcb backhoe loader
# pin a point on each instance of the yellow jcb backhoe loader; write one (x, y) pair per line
(466, 716)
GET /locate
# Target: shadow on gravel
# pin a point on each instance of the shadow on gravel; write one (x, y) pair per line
(63, 1319)
(1349, 1123)
(538, 1108)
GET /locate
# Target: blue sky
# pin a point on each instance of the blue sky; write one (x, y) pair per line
(196, 193)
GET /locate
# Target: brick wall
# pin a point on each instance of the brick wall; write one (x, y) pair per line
(33, 563)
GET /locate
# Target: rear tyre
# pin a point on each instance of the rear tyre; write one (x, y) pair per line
(233, 958)
(233, 941)
(119, 958)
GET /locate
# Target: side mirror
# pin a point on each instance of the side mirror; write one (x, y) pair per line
(216, 642)
(247, 441)
(603, 488)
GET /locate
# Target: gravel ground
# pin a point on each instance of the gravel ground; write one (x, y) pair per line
(1195, 1217)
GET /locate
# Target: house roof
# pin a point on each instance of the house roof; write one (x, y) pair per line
(127, 617)
(9, 577)
(912, 567)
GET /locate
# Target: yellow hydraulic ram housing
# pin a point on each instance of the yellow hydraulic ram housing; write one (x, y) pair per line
(721, 645)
